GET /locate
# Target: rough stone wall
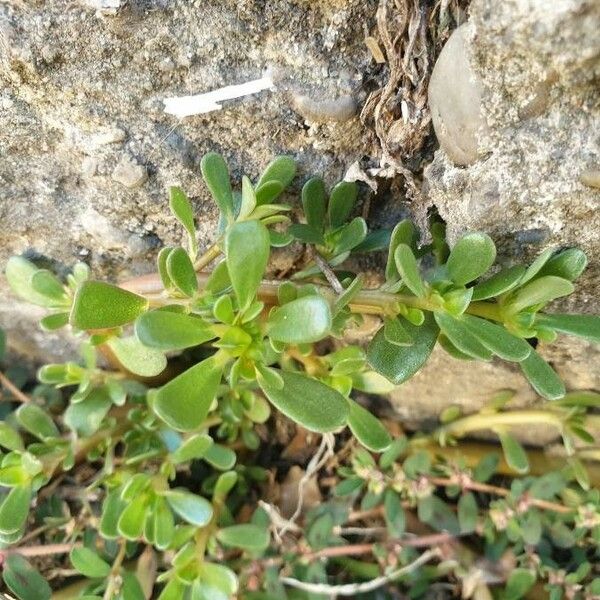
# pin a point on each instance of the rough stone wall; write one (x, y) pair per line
(520, 159)
(87, 153)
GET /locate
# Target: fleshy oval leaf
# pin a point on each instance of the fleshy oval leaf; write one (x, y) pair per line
(471, 257)
(302, 321)
(309, 402)
(99, 305)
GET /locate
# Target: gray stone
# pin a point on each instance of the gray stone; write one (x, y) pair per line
(129, 173)
(114, 135)
(113, 73)
(455, 100)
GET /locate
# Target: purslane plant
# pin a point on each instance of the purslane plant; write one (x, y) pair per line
(197, 359)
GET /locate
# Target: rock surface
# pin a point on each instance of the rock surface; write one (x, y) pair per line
(455, 92)
(88, 153)
(539, 67)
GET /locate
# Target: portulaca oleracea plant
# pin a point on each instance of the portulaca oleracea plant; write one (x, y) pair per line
(179, 369)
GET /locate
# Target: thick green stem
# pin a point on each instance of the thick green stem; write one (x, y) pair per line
(365, 302)
(203, 261)
(481, 421)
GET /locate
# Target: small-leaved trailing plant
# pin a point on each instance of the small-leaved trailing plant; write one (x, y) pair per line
(160, 437)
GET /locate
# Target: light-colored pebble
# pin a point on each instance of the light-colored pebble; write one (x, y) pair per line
(129, 173)
(455, 92)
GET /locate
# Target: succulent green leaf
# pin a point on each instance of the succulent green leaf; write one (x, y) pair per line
(367, 428)
(542, 377)
(350, 235)
(88, 563)
(19, 272)
(457, 301)
(181, 272)
(399, 363)
(220, 457)
(216, 175)
(247, 537)
(171, 331)
(471, 257)
(309, 402)
(281, 169)
(461, 336)
(467, 513)
(9, 438)
(313, 203)
(548, 486)
(131, 521)
(99, 305)
(568, 264)
(519, 582)
(164, 524)
(407, 267)
(372, 382)
(341, 202)
(248, 199)
(192, 448)
(438, 514)
(14, 509)
(218, 281)
(85, 417)
(138, 358)
(247, 247)
(161, 262)
(404, 233)
(306, 233)
(280, 239)
(451, 349)
(55, 321)
(112, 508)
(224, 485)
(182, 209)
(500, 283)
(48, 285)
(268, 191)
(375, 241)
(514, 454)
(35, 420)
(395, 333)
(174, 590)
(184, 402)
(268, 376)
(190, 507)
(497, 339)
(585, 326)
(23, 580)
(302, 321)
(540, 291)
(348, 294)
(346, 487)
(220, 578)
(395, 518)
(536, 266)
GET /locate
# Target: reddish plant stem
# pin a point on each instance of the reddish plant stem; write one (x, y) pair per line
(498, 491)
(42, 550)
(9, 386)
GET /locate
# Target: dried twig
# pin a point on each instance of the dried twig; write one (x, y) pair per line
(352, 589)
(42, 550)
(329, 273)
(323, 454)
(9, 386)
